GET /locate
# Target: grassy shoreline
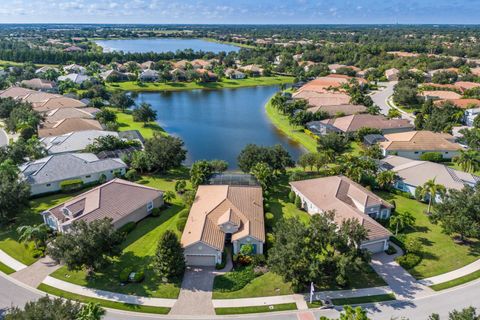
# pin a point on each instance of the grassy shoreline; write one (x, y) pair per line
(295, 133)
(241, 45)
(182, 86)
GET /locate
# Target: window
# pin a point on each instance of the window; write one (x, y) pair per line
(48, 184)
(416, 152)
(89, 176)
(150, 206)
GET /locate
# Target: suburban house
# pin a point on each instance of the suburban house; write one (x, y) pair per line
(352, 123)
(39, 84)
(414, 173)
(392, 74)
(149, 75)
(440, 94)
(147, 65)
(113, 76)
(223, 214)
(46, 175)
(466, 85)
(337, 109)
(67, 125)
(461, 103)
(470, 115)
(252, 69)
(234, 74)
(415, 143)
(66, 113)
(73, 49)
(335, 66)
(75, 68)
(44, 69)
(74, 141)
(75, 78)
(120, 200)
(349, 200)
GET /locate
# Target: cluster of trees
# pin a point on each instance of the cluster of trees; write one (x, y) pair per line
(301, 254)
(295, 110)
(201, 170)
(110, 143)
(438, 119)
(405, 93)
(161, 154)
(19, 117)
(14, 194)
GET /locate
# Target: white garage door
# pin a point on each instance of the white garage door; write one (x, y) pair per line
(375, 247)
(200, 260)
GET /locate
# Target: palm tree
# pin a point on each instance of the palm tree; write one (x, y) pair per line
(431, 189)
(401, 220)
(168, 196)
(385, 179)
(36, 233)
(468, 160)
(91, 311)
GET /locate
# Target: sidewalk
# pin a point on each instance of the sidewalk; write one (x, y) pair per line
(470, 268)
(9, 261)
(107, 295)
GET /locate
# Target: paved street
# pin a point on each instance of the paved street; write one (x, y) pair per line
(14, 293)
(3, 138)
(380, 99)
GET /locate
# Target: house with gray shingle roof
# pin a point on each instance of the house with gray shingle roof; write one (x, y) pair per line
(120, 200)
(73, 141)
(46, 175)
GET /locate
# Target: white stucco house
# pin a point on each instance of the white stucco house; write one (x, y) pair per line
(223, 214)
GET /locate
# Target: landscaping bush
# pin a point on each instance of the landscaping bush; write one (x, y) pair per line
(246, 249)
(266, 206)
(432, 156)
(298, 202)
(235, 280)
(394, 204)
(242, 260)
(298, 175)
(181, 222)
(138, 276)
(183, 213)
(124, 274)
(409, 260)
(270, 239)
(269, 219)
(391, 250)
(259, 260)
(131, 175)
(71, 185)
(155, 212)
(102, 179)
(220, 266)
(127, 228)
(291, 196)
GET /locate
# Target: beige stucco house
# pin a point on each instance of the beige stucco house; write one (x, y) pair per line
(223, 214)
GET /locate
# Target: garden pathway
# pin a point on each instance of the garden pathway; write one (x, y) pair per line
(34, 274)
(402, 283)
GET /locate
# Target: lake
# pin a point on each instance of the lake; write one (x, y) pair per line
(160, 45)
(218, 124)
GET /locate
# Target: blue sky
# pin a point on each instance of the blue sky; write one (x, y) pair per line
(241, 11)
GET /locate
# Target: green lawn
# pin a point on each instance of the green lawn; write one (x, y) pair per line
(314, 304)
(6, 269)
(180, 86)
(359, 300)
(457, 167)
(295, 133)
(102, 302)
(456, 282)
(256, 309)
(441, 254)
(9, 236)
(138, 250)
(126, 123)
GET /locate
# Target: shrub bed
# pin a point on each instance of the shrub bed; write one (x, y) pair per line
(235, 280)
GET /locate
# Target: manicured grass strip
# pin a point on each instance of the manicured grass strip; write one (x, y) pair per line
(181, 86)
(256, 309)
(126, 123)
(456, 282)
(6, 269)
(103, 303)
(295, 133)
(368, 299)
(314, 304)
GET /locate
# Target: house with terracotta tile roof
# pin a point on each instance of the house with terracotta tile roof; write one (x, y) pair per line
(56, 115)
(392, 74)
(119, 200)
(348, 200)
(466, 85)
(352, 123)
(414, 173)
(63, 126)
(415, 143)
(39, 84)
(336, 109)
(460, 103)
(440, 94)
(223, 214)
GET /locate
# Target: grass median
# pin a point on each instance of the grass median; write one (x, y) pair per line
(367, 299)
(456, 282)
(256, 309)
(102, 302)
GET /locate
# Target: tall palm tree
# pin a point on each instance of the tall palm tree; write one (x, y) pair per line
(468, 160)
(401, 220)
(36, 233)
(385, 179)
(430, 190)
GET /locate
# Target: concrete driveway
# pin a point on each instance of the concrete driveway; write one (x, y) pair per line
(195, 296)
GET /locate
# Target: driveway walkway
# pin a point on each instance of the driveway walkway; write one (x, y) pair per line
(35, 274)
(402, 283)
(195, 296)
